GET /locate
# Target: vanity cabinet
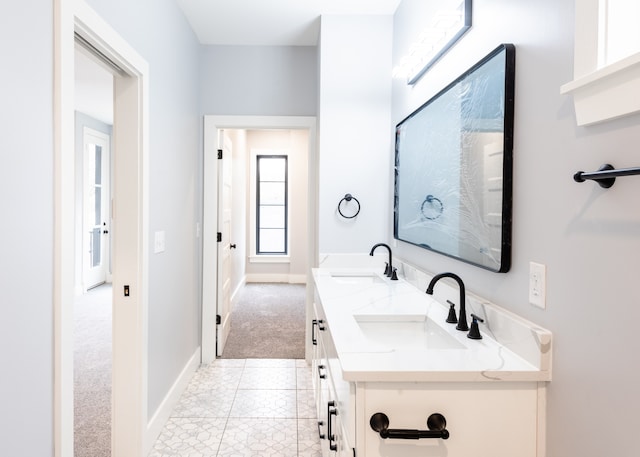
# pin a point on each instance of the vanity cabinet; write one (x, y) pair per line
(489, 418)
(333, 397)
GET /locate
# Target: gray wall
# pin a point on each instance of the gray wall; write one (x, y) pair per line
(588, 237)
(258, 80)
(172, 51)
(26, 229)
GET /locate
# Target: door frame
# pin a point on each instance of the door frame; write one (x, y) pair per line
(212, 124)
(130, 229)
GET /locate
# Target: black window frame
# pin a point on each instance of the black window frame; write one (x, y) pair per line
(259, 252)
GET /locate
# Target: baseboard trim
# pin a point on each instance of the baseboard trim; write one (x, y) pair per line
(162, 414)
(236, 292)
(269, 277)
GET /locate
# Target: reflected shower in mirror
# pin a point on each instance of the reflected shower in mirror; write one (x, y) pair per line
(453, 163)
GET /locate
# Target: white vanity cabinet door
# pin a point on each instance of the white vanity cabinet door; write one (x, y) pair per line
(334, 399)
(320, 377)
(483, 419)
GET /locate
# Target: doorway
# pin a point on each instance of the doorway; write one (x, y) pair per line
(96, 199)
(214, 125)
(93, 105)
(75, 20)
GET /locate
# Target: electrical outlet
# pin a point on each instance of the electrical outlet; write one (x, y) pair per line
(538, 284)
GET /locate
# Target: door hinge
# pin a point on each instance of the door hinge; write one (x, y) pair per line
(219, 237)
(218, 319)
(220, 154)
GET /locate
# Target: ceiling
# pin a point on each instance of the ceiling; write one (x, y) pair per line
(270, 22)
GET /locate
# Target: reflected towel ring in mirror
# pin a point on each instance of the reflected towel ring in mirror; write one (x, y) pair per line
(433, 206)
(347, 198)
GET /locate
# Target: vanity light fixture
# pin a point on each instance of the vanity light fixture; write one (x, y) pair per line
(447, 27)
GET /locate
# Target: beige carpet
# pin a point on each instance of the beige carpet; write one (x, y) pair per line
(267, 322)
(92, 373)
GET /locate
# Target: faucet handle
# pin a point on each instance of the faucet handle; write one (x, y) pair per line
(452, 318)
(386, 269)
(394, 274)
(474, 332)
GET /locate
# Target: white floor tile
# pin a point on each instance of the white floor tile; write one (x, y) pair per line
(213, 403)
(260, 437)
(308, 441)
(306, 403)
(190, 438)
(216, 377)
(270, 363)
(264, 403)
(268, 378)
(253, 408)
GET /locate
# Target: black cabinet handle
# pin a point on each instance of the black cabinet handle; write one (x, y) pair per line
(436, 423)
(320, 434)
(314, 324)
(321, 375)
(331, 411)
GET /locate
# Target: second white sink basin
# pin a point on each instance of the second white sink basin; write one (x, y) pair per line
(405, 332)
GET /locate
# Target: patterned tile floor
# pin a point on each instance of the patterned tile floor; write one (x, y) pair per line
(252, 408)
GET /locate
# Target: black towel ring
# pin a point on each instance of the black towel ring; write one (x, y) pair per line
(348, 198)
(435, 208)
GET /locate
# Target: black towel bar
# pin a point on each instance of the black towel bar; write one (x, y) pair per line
(606, 175)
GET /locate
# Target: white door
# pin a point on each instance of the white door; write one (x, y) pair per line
(493, 158)
(224, 246)
(95, 214)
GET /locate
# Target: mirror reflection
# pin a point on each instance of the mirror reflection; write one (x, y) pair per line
(453, 167)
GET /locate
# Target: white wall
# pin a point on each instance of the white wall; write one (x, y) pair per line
(170, 47)
(26, 244)
(588, 237)
(354, 133)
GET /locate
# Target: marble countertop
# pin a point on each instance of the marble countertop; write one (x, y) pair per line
(390, 331)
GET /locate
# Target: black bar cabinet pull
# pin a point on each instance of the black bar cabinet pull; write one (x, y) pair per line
(436, 423)
(331, 411)
(606, 175)
(314, 340)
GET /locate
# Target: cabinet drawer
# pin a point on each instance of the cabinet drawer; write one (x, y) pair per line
(497, 420)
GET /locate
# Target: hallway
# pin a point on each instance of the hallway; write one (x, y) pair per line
(244, 407)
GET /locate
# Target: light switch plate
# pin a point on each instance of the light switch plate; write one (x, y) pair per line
(538, 284)
(158, 242)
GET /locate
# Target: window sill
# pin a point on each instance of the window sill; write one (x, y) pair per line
(607, 93)
(269, 259)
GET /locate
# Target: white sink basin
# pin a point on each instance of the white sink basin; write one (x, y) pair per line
(356, 278)
(405, 332)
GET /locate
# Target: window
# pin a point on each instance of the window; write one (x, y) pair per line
(618, 34)
(271, 205)
(606, 60)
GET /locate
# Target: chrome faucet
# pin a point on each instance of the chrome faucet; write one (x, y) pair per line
(462, 321)
(389, 270)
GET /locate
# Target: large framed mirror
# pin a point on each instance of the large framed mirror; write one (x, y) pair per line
(453, 167)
